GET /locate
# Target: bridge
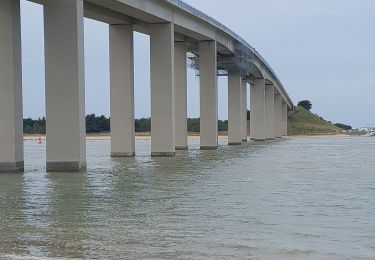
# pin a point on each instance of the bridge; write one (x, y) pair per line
(180, 36)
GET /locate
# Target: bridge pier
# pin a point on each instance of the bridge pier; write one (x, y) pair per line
(11, 126)
(258, 110)
(122, 90)
(285, 118)
(270, 111)
(234, 110)
(278, 116)
(208, 95)
(244, 110)
(65, 85)
(180, 96)
(162, 90)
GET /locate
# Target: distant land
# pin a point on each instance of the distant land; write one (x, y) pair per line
(300, 122)
(303, 122)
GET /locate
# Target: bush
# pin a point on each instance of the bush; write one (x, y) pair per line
(343, 126)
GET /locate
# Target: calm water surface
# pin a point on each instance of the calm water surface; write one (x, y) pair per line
(308, 198)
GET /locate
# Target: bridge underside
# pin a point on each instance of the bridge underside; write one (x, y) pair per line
(233, 56)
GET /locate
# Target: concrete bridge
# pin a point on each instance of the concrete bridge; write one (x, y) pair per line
(175, 29)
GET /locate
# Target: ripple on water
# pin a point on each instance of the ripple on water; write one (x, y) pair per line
(305, 198)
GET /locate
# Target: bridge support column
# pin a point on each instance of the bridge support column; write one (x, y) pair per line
(208, 95)
(244, 110)
(180, 96)
(11, 126)
(270, 111)
(234, 110)
(65, 86)
(258, 111)
(122, 90)
(285, 118)
(162, 90)
(278, 116)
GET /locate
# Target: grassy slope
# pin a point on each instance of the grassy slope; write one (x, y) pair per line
(303, 122)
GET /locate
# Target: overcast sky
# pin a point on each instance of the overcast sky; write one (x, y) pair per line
(322, 50)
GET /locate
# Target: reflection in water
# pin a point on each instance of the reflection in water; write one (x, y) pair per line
(70, 202)
(285, 199)
(36, 213)
(11, 226)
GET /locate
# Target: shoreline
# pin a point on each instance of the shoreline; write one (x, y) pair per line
(191, 136)
(105, 137)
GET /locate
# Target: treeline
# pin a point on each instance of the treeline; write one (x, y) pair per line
(193, 125)
(99, 124)
(31, 126)
(344, 127)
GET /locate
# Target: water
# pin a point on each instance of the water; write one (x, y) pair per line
(307, 198)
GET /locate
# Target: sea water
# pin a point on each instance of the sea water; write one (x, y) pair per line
(297, 198)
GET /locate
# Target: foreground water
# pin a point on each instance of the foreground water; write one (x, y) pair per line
(308, 198)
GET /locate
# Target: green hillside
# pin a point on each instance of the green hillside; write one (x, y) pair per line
(303, 122)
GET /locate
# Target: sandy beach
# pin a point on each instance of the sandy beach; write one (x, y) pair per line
(191, 136)
(107, 136)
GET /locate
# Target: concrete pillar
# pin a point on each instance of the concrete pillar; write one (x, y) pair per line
(270, 111)
(65, 85)
(162, 90)
(122, 90)
(11, 125)
(278, 116)
(285, 118)
(208, 95)
(180, 95)
(257, 110)
(234, 110)
(244, 110)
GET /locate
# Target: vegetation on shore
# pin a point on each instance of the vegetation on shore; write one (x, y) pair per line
(300, 122)
(100, 124)
(303, 122)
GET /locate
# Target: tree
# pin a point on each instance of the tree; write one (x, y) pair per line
(143, 125)
(222, 125)
(37, 126)
(97, 124)
(306, 104)
(343, 126)
(193, 125)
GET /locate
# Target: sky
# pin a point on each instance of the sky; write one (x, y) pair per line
(322, 50)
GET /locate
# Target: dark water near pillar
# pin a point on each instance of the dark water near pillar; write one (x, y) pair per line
(308, 198)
